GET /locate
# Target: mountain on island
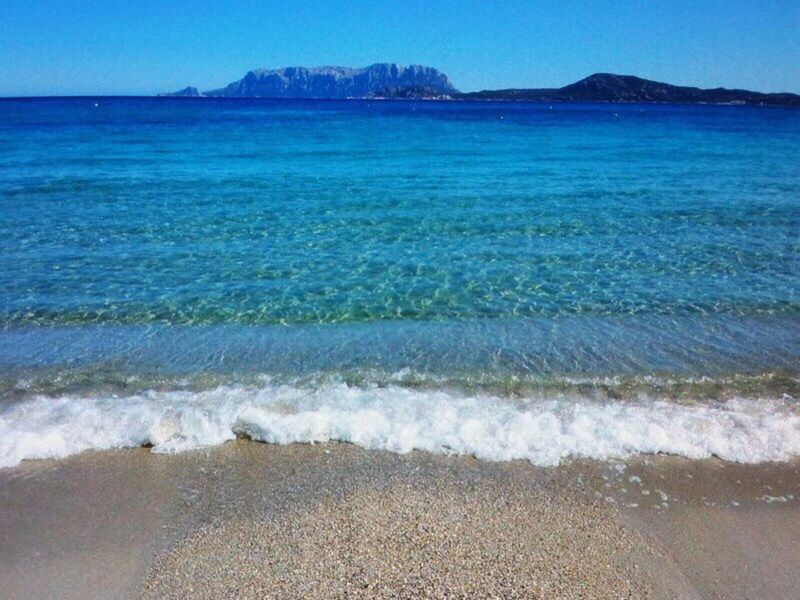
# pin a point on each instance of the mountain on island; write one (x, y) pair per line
(333, 82)
(607, 87)
(389, 80)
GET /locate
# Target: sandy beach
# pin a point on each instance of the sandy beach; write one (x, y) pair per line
(334, 520)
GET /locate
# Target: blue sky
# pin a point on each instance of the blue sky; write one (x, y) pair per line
(144, 47)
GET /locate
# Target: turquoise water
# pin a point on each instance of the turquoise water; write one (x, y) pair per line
(510, 249)
(154, 211)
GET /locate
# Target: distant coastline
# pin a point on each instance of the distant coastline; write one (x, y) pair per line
(396, 82)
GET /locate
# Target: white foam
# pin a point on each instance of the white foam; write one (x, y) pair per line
(402, 419)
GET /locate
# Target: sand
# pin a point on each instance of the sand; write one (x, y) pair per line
(333, 520)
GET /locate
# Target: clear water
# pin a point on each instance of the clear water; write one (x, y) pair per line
(598, 253)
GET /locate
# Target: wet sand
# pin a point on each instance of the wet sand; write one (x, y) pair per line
(334, 520)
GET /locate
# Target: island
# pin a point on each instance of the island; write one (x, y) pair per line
(393, 81)
(608, 87)
(335, 82)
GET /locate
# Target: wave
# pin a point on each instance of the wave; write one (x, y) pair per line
(544, 431)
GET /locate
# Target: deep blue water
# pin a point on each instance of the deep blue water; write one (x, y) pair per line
(494, 238)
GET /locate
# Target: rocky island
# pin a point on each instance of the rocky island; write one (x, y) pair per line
(393, 81)
(187, 92)
(335, 82)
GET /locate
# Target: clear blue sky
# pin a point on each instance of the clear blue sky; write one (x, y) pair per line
(144, 47)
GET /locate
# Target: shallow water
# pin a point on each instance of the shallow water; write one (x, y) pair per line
(594, 257)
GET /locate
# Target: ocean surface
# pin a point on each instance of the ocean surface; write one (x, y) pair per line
(507, 280)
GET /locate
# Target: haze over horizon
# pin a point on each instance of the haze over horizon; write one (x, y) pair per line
(97, 47)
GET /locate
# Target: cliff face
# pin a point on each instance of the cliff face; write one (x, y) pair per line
(334, 82)
(607, 87)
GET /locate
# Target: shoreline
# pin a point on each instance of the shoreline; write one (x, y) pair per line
(334, 519)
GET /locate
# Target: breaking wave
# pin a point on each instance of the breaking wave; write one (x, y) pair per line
(399, 418)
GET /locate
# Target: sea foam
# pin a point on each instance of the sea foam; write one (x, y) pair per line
(401, 419)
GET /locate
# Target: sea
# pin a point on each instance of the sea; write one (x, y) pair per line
(497, 279)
